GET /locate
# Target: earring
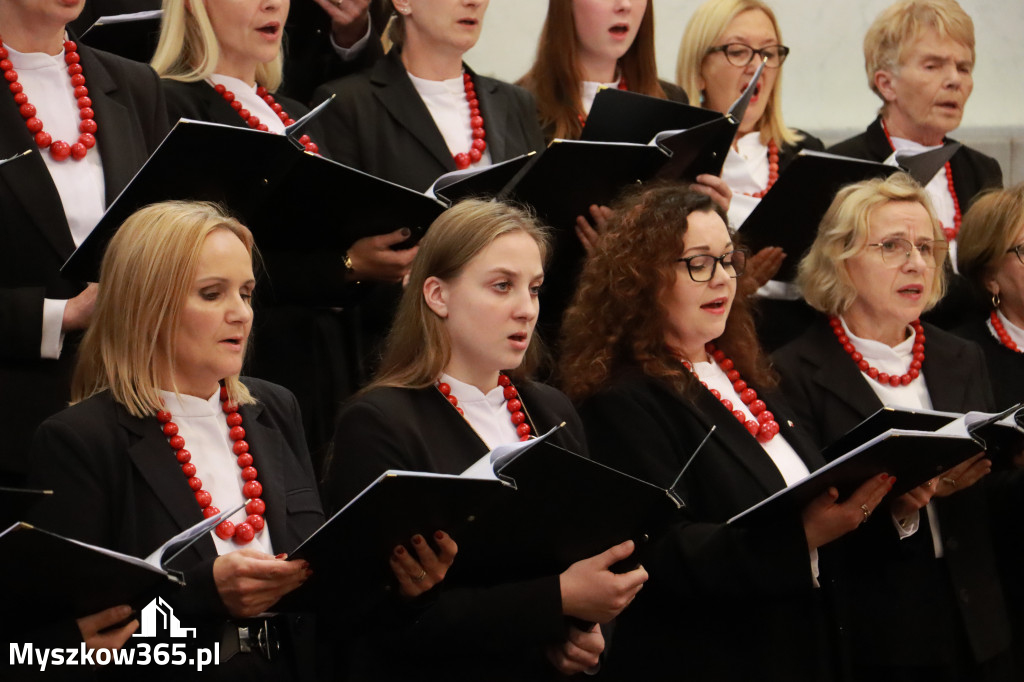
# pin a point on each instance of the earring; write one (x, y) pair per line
(995, 300)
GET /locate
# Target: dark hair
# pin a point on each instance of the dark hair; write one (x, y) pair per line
(617, 319)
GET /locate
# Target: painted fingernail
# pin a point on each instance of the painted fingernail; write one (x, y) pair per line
(885, 477)
(439, 535)
(399, 551)
(417, 539)
(282, 555)
(406, 232)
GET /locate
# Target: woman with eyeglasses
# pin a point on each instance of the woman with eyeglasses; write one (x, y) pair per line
(723, 44)
(874, 268)
(657, 349)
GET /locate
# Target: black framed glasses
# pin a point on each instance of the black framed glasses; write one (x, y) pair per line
(701, 267)
(1019, 250)
(897, 251)
(739, 54)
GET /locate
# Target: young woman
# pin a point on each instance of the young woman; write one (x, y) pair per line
(657, 349)
(183, 271)
(453, 385)
(722, 46)
(91, 120)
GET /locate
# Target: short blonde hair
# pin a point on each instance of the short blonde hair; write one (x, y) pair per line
(418, 347)
(703, 30)
(987, 233)
(147, 271)
(188, 50)
(843, 234)
(900, 24)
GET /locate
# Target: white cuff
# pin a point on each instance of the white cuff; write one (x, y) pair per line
(53, 320)
(908, 526)
(347, 54)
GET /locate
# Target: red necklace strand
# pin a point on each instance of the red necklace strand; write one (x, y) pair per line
(773, 170)
(244, 532)
(254, 122)
(765, 428)
(950, 232)
(464, 160)
(512, 403)
(621, 86)
(881, 377)
(1004, 336)
(59, 149)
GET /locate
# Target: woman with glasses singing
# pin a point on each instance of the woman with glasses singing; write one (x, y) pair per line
(657, 349)
(874, 268)
(722, 46)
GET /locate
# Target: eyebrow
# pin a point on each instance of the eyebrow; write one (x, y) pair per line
(704, 248)
(217, 279)
(745, 41)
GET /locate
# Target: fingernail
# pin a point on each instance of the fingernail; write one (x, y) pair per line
(309, 572)
(399, 551)
(885, 477)
(439, 535)
(305, 565)
(892, 480)
(406, 232)
(417, 539)
(282, 555)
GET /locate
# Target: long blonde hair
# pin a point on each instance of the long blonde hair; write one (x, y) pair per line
(146, 274)
(188, 50)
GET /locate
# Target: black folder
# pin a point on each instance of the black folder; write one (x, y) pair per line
(789, 214)
(16, 503)
(624, 116)
(132, 36)
(881, 421)
(48, 576)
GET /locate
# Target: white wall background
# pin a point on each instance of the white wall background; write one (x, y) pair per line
(825, 87)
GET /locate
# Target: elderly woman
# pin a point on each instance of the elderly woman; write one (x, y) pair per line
(723, 44)
(657, 349)
(91, 120)
(991, 256)
(453, 384)
(158, 371)
(875, 266)
(919, 58)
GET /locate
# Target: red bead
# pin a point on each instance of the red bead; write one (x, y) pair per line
(765, 417)
(77, 79)
(883, 378)
(479, 133)
(239, 447)
(188, 469)
(289, 121)
(514, 405)
(739, 385)
(183, 456)
(453, 400)
(81, 91)
(244, 460)
(84, 102)
(740, 416)
(234, 419)
(225, 530)
(21, 98)
(236, 432)
(15, 87)
(872, 372)
(844, 340)
(518, 418)
(264, 93)
(255, 506)
(11, 75)
(75, 70)
(906, 379)
(733, 375)
(715, 392)
(195, 483)
(894, 381)
(249, 473)
(748, 396)
(523, 430)
(914, 373)
(277, 108)
(445, 389)
(256, 521)
(510, 392)
(857, 357)
(503, 380)
(312, 148)
(480, 145)
(462, 161)
(304, 140)
(244, 113)
(848, 347)
(89, 127)
(475, 155)
(60, 150)
(176, 442)
(208, 509)
(244, 533)
(27, 111)
(726, 364)
(70, 46)
(757, 407)
(236, 105)
(863, 365)
(252, 489)
(34, 125)
(86, 113)
(220, 89)
(170, 429)
(475, 111)
(752, 426)
(163, 416)
(253, 121)
(229, 407)
(476, 121)
(727, 403)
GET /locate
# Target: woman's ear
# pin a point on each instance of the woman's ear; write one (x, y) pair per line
(435, 293)
(884, 84)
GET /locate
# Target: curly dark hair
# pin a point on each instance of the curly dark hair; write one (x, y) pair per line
(617, 320)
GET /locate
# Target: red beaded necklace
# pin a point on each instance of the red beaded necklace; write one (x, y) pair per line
(881, 377)
(59, 149)
(244, 532)
(621, 86)
(254, 122)
(765, 428)
(463, 160)
(950, 232)
(773, 170)
(512, 403)
(1004, 336)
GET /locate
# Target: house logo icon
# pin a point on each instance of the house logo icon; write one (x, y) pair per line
(158, 618)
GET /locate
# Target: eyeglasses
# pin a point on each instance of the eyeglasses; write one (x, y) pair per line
(739, 54)
(896, 252)
(1017, 250)
(701, 268)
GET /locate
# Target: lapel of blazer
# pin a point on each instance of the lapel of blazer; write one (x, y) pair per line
(396, 92)
(941, 369)
(836, 374)
(268, 448)
(151, 455)
(114, 122)
(496, 111)
(30, 181)
(877, 142)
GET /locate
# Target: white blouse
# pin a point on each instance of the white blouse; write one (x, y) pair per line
(202, 424)
(589, 92)
(485, 412)
(246, 94)
(1015, 332)
(446, 102)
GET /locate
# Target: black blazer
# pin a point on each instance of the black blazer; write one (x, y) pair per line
(379, 124)
(1005, 367)
(933, 610)
(723, 602)
(117, 484)
(36, 240)
(490, 633)
(972, 173)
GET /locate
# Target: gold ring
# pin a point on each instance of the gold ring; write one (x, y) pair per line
(867, 512)
(948, 481)
(420, 577)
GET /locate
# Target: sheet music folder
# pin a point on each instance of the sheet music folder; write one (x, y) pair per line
(15, 503)
(624, 116)
(132, 36)
(789, 214)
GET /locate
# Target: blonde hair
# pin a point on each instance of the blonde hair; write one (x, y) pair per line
(703, 31)
(987, 233)
(147, 271)
(843, 234)
(188, 50)
(900, 24)
(418, 347)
